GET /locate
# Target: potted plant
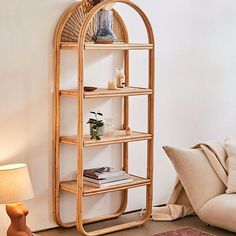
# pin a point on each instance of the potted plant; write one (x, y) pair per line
(96, 125)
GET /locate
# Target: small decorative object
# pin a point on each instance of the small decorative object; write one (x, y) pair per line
(95, 2)
(104, 22)
(96, 125)
(111, 85)
(109, 127)
(15, 187)
(120, 77)
(89, 89)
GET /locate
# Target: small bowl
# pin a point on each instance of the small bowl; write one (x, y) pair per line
(89, 89)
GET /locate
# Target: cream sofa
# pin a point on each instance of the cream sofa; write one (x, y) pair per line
(204, 179)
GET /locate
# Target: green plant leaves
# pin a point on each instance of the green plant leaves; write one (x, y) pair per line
(96, 123)
(91, 121)
(95, 134)
(99, 124)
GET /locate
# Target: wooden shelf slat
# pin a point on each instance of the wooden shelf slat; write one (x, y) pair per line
(118, 46)
(119, 137)
(112, 46)
(71, 186)
(103, 92)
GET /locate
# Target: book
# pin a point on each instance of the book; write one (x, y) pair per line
(109, 184)
(106, 180)
(102, 173)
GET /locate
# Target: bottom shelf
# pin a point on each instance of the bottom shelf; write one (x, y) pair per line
(71, 186)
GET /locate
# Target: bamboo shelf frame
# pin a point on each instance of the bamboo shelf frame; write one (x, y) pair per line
(74, 32)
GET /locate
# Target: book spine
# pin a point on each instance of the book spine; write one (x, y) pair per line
(125, 181)
(107, 180)
(105, 175)
(104, 185)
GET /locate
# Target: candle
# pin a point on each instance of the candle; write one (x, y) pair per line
(111, 85)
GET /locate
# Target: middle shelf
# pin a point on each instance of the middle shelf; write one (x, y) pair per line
(120, 136)
(103, 92)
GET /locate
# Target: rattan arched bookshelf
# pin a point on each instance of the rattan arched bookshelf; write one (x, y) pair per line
(75, 31)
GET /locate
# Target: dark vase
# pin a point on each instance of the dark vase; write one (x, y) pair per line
(104, 21)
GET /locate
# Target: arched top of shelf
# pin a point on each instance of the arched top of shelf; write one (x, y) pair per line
(95, 9)
(70, 24)
(78, 24)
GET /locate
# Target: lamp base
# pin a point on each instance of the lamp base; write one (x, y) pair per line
(17, 213)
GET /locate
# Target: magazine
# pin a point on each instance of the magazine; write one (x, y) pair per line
(102, 173)
(109, 184)
(106, 180)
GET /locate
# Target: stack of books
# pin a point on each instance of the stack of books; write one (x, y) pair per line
(105, 177)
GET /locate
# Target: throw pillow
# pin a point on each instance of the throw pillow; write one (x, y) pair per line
(198, 178)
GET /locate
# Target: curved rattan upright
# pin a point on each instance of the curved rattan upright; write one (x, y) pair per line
(75, 30)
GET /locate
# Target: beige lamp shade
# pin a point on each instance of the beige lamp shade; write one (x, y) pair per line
(15, 183)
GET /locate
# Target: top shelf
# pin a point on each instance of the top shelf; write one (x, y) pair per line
(112, 46)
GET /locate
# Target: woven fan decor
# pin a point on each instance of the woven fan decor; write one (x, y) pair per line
(70, 32)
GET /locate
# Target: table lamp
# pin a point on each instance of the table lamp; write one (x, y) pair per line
(15, 187)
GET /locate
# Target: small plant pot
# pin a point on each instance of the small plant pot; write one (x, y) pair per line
(100, 129)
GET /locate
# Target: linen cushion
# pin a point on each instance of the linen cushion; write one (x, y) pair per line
(220, 211)
(198, 178)
(230, 146)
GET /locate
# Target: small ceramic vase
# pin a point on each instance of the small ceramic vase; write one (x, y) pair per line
(104, 33)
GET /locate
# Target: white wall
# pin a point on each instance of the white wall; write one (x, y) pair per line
(195, 87)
